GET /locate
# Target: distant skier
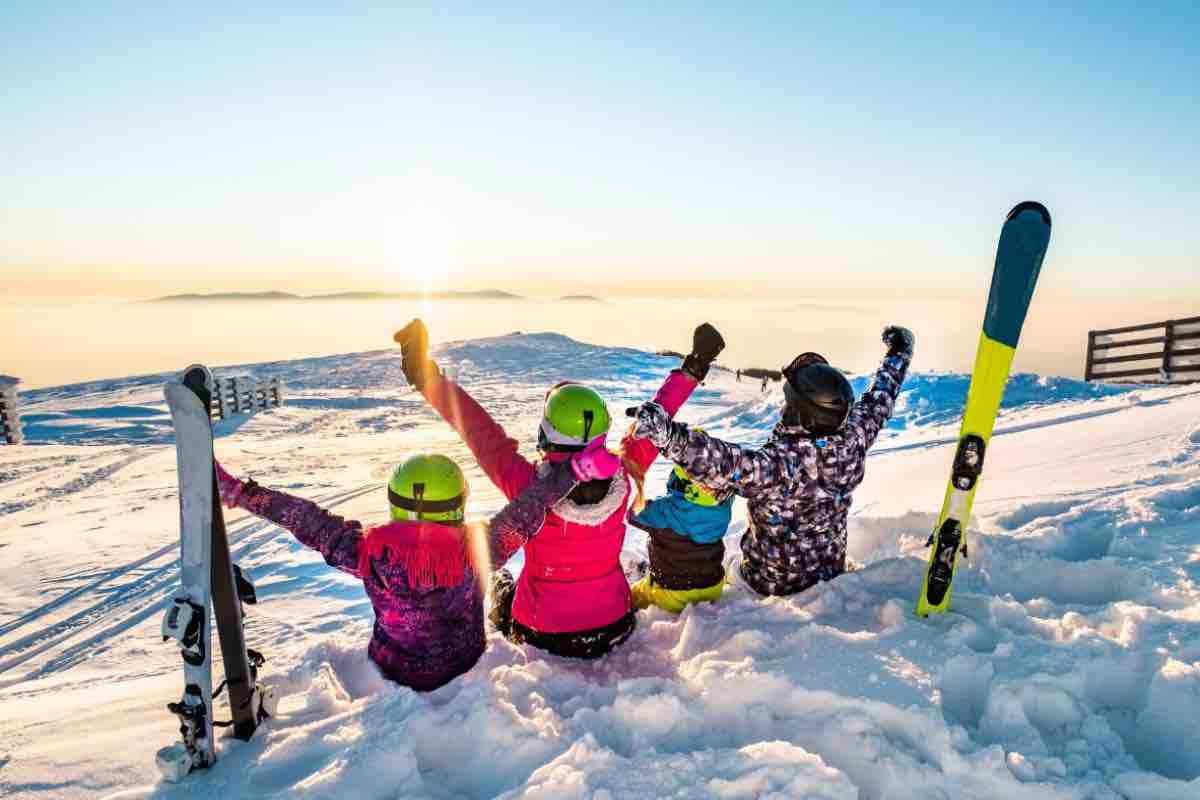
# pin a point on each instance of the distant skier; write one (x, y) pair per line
(799, 483)
(572, 598)
(687, 550)
(423, 572)
(764, 383)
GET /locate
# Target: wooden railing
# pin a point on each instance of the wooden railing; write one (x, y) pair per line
(240, 394)
(1159, 351)
(10, 417)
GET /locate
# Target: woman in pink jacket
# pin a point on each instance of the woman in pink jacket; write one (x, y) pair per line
(572, 598)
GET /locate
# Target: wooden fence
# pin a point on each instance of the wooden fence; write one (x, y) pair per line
(10, 417)
(1159, 351)
(241, 394)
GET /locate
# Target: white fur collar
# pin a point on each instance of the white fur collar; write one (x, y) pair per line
(595, 513)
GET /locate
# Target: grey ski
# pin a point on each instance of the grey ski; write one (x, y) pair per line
(187, 619)
(207, 575)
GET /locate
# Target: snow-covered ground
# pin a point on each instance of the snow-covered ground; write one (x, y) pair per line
(1069, 667)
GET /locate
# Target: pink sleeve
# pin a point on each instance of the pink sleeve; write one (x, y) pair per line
(674, 393)
(494, 449)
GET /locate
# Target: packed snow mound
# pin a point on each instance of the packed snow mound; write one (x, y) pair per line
(1068, 668)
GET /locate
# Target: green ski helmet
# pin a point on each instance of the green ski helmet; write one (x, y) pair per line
(428, 487)
(693, 492)
(574, 416)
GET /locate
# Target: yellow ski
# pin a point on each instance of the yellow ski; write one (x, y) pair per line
(1023, 242)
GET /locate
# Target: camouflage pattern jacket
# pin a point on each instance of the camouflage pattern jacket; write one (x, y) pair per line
(797, 486)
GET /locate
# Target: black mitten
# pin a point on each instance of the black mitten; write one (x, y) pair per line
(707, 344)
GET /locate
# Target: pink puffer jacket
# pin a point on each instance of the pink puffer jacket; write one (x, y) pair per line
(572, 579)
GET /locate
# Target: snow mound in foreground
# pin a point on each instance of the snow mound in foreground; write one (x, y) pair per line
(1069, 667)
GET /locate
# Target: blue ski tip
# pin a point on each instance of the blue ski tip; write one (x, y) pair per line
(1029, 205)
(1019, 254)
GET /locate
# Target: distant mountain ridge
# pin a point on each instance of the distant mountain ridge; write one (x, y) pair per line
(228, 296)
(480, 294)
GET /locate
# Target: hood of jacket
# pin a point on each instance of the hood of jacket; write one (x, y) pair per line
(701, 524)
(591, 514)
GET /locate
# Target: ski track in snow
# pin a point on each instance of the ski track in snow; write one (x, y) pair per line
(1069, 666)
(145, 596)
(48, 494)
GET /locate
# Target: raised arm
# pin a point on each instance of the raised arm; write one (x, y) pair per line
(707, 344)
(874, 408)
(494, 449)
(722, 466)
(523, 517)
(336, 539)
(674, 392)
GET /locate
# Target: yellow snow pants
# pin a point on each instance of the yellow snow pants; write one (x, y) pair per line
(646, 593)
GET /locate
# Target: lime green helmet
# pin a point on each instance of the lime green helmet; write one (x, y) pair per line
(574, 416)
(428, 487)
(693, 492)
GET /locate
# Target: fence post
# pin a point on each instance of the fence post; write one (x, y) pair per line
(1167, 347)
(1088, 368)
(10, 416)
(240, 394)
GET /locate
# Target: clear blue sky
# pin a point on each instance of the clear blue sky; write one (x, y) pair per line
(744, 148)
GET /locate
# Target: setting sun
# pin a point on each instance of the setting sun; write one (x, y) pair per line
(420, 251)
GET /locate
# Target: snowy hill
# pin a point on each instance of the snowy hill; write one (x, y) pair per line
(1069, 668)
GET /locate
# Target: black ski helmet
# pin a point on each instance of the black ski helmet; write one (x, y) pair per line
(818, 397)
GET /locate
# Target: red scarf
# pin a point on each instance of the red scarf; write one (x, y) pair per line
(432, 555)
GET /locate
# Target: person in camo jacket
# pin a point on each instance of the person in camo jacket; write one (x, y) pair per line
(798, 485)
(423, 570)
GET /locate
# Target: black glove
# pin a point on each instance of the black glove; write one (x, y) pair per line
(414, 354)
(900, 341)
(707, 344)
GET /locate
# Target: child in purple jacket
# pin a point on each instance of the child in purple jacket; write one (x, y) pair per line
(423, 571)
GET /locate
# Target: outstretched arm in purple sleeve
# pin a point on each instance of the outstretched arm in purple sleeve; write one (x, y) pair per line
(523, 517)
(337, 539)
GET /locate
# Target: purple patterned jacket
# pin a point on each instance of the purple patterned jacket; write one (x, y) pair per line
(424, 635)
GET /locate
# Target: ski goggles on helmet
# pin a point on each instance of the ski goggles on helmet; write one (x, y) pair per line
(693, 492)
(419, 505)
(547, 444)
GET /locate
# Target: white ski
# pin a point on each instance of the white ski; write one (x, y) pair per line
(187, 619)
